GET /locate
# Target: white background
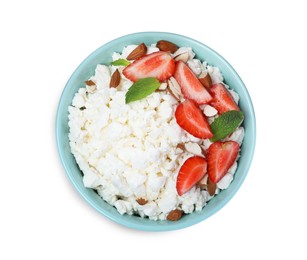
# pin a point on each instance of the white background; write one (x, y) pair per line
(42, 42)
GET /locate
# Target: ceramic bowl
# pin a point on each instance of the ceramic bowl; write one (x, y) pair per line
(103, 56)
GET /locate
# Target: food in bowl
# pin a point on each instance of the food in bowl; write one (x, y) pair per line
(157, 132)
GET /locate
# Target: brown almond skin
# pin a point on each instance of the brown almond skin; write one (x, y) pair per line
(90, 83)
(181, 146)
(211, 186)
(204, 152)
(167, 46)
(138, 52)
(174, 215)
(206, 81)
(115, 79)
(141, 201)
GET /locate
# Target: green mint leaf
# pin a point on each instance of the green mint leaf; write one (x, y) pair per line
(120, 62)
(141, 89)
(226, 124)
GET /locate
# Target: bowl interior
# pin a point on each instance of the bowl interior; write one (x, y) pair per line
(103, 56)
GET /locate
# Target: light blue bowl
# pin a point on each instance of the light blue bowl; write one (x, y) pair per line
(103, 56)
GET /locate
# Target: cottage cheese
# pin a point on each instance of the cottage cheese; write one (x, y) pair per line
(129, 151)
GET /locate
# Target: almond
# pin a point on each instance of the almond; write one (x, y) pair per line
(90, 86)
(174, 215)
(174, 88)
(141, 201)
(167, 46)
(90, 83)
(202, 184)
(138, 52)
(181, 146)
(204, 151)
(193, 148)
(163, 86)
(205, 80)
(209, 111)
(115, 79)
(184, 57)
(195, 65)
(211, 187)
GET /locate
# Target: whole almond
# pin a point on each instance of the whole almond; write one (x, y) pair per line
(205, 80)
(141, 201)
(115, 79)
(174, 215)
(138, 52)
(167, 46)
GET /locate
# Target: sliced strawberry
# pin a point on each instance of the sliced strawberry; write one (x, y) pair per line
(190, 85)
(158, 65)
(190, 117)
(221, 156)
(191, 172)
(222, 99)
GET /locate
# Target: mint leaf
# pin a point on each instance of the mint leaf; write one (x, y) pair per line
(141, 89)
(226, 124)
(120, 62)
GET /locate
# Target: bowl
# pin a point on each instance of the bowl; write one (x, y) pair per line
(103, 55)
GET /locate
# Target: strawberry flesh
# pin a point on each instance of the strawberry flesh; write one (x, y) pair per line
(221, 156)
(190, 118)
(190, 85)
(222, 100)
(190, 173)
(159, 65)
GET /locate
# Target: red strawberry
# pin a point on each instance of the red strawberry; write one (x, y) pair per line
(190, 117)
(158, 65)
(221, 156)
(190, 85)
(191, 172)
(222, 99)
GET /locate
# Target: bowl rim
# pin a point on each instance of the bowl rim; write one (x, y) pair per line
(126, 221)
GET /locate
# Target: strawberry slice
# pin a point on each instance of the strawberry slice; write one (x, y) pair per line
(190, 85)
(221, 156)
(159, 65)
(222, 100)
(191, 172)
(190, 117)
